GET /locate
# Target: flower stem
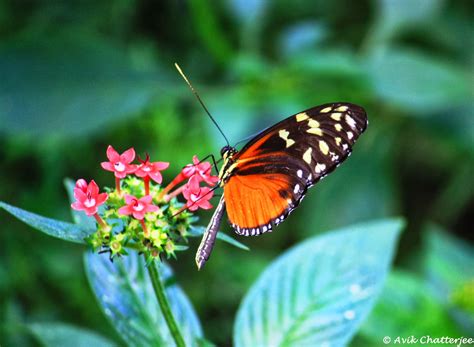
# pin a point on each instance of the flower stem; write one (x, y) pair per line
(145, 230)
(117, 185)
(99, 220)
(174, 193)
(160, 293)
(146, 179)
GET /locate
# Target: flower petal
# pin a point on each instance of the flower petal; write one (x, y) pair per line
(80, 195)
(93, 189)
(125, 210)
(129, 199)
(81, 184)
(106, 165)
(76, 205)
(112, 154)
(146, 199)
(156, 176)
(205, 204)
(101, 198)
(161, 165)
(128, 155)
(139, 214)
(151, 208)
(90, 211)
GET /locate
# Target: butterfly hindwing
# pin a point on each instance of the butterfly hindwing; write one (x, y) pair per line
(272, 172)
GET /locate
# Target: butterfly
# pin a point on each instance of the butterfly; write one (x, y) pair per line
(267, 179)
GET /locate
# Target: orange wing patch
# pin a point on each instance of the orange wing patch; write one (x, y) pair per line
(254, 203)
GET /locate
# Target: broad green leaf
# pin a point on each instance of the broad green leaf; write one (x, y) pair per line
(125, 293)
(79, 217)
(406, 307)
(64, 335)
(52, 227)
(320, 291)
(417, 83)
(197, 231)
(69, 84)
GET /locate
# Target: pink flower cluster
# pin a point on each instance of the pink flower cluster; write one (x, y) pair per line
(88, 198)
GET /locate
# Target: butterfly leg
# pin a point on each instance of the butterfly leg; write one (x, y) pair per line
(209, 238)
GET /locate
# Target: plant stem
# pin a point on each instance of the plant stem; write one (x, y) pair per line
(164, 304)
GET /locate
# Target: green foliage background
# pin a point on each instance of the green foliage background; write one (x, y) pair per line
(77, 76)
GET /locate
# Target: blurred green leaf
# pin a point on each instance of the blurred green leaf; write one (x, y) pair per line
(448, 263)
(125, 293)
(64, 335)
(407, 308)
(301, 37)
(417, 83)
(316, 293)
(197, 231)
(52, 227)
(449, 268)
(396, 15)
(69, 85)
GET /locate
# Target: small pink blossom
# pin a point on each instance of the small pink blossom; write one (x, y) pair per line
(201, 169)
(87, 197)
(151, 170)
(138, 207)
(119, 164)
(197, 196)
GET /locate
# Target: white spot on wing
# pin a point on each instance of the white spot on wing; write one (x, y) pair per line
(350, 121)
(296, 190)
(350, 135)
(307, 155)
(323, 146)
(301, 116)
(299, 173)
(320, 168)
(326, 110)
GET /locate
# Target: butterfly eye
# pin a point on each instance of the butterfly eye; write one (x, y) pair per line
(225, 150)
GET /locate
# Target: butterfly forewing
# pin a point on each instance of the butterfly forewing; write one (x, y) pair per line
(273, 171)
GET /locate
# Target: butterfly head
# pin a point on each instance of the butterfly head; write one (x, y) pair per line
(227, 152)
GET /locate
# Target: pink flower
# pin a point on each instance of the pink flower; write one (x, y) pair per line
(201, 169)
(138, 207)
(119, 164)
(151, 170)
(87, 197)
(196, 196)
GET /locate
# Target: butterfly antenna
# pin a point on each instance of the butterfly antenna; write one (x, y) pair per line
(200, 101)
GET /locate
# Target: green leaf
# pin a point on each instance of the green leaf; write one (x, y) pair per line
(52, 227)
(70, 84)
(449, 269)
(393, 315)
(196, 231)
(320, 291)
(448, 262)
(79, 217)
(125, 294)
(64, 335)
(417, 83)
(396, 15)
